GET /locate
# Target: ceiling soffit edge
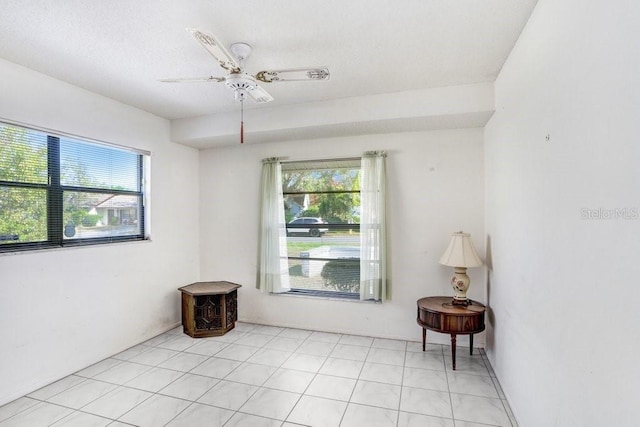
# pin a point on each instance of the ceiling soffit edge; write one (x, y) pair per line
(410, 106)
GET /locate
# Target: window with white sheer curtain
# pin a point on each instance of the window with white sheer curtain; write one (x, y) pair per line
(373, 241)
(322, 230)
(273, 269)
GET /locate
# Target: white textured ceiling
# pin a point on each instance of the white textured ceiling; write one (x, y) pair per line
(121, 48)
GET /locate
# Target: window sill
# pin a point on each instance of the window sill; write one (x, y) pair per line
(71, 247)
(325, 295)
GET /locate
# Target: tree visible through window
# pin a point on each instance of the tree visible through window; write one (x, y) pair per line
(57, 191)
(322, 211)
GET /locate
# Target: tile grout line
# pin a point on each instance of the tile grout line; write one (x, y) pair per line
(156, 393)
(446, 375)
(258, 388)
(236, 411)
(404, 366)
(355, 385)
(191, 402)
(274, 372)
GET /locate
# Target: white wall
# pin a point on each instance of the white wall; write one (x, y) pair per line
(563, 290)
(62, 310)
(435, 188)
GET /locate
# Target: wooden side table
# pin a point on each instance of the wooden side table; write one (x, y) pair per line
(438, 314)
(209, 309)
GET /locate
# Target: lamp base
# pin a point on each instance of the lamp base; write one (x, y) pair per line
(460, 283)
(462, 302)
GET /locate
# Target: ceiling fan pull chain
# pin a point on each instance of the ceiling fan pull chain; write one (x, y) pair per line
(241, 122)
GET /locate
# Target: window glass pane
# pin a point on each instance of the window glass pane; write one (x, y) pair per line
(334, 208)
(23, 215)
(330, 263)
(321, 180)
(89, 165)
(332, 194)
(96, 215)
(322, 209)
(23, 155)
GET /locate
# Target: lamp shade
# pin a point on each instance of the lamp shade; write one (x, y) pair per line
(460, 252)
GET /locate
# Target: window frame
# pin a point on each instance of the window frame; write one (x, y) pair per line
(331, 227)
(55, 194)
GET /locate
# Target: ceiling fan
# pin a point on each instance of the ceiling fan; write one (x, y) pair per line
(243, 84)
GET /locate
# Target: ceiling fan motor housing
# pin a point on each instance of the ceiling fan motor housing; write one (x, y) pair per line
(241, 84)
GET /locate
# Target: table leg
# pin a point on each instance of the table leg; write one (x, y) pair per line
(424, 337)
(453, 350)
(471, 345)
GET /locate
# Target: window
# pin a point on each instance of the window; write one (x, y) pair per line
(322, 212)
(332, 239)
(60, 191)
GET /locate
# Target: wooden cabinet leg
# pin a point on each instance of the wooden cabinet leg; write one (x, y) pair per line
(471, 345)
(424, 337)
(453, 350)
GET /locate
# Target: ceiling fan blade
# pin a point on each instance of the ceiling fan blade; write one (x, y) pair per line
(293, 75)
(260, 95)
(216, 49)
(195, 80)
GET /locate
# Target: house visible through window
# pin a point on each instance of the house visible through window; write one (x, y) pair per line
(58, 191)
(322, 212)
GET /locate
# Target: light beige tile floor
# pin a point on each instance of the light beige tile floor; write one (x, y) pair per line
(258, 375)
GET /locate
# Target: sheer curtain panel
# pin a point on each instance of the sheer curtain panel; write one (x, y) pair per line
(273, 266)
(373, 247)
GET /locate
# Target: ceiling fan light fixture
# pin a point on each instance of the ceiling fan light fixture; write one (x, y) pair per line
(240, 95)
(241, 50)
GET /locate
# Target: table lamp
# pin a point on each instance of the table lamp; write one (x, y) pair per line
(460, 255)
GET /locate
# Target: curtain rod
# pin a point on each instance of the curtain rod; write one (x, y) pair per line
(323, 160)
